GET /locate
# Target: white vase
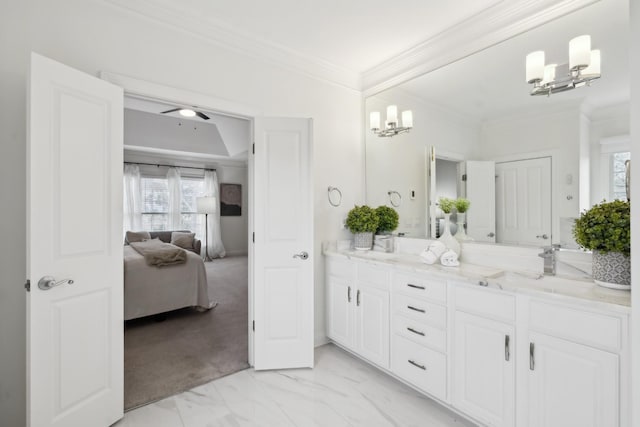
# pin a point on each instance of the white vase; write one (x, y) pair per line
(461, 234)
(447, 238)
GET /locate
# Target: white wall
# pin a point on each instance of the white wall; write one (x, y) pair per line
(93, 36)
(399, 163)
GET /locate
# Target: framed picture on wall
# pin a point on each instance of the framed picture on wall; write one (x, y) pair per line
(230, 199)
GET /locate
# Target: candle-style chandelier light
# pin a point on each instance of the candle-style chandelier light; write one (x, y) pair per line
(582, 69)
(392, 127)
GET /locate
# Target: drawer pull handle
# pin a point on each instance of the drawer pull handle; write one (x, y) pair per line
(419, 310)
(411, 285)
(349, 294)
(417, 365)
(358, 298)
(532, 358)
(415, 332)
(507, 353)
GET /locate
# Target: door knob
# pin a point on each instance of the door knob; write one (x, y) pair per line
(48, 282)
(542, 236)
(492, 234)
(302, 255)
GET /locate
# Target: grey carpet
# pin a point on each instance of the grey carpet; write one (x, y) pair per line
(189, 348)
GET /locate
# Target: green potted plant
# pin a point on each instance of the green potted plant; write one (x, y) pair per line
(387, 219)
(605, 230)
(462, 205)
(362, 221)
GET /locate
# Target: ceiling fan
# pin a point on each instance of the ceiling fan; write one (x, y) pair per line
(187, 112)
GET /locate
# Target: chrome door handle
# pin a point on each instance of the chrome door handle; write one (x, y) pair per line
(542, 236)
(349, 294)
(491, 234)
(507, 353)
(48, 282)
(532, 359)
(302, 255)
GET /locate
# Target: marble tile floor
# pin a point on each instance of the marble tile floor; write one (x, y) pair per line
(340, 391)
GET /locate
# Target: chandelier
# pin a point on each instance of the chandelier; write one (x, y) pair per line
(392, 127)
(582, 69)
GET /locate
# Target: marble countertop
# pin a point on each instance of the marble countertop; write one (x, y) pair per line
(554, 287)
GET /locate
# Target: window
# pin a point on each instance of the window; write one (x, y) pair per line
(155, 204)
(618, 175)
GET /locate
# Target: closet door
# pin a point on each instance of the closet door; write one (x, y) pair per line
(283, 245)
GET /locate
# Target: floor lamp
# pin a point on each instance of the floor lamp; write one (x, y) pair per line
(206, 205)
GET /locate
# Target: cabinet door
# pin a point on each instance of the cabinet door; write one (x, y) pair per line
(571, 384)
(340, 312)
(372, 325)
(484, 369)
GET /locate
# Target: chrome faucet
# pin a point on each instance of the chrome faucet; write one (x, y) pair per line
(549, 256)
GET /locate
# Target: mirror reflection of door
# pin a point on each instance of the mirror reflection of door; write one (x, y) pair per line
(523, 202)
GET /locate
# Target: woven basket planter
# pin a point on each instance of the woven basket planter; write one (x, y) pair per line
(363, 241)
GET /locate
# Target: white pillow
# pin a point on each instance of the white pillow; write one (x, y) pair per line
(182, 239)
(137, 236)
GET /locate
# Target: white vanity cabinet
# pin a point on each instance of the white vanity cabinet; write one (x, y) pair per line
(358, 308)
(419, 322)
(483, 355)
(575, 372)
(502, 357)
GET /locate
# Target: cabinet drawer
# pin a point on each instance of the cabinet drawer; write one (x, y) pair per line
(484, 301)
(420, 310)
(420, 333)
(420, 366)
(420, 286)
(576, 325)
(340, 268)
(373, 275)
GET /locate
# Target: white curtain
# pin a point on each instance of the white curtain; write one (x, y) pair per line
(175, 199)
(132, 199)
(216, 248)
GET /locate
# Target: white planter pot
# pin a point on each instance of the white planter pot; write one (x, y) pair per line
(447, 238)
(362, 241)
(611, 270)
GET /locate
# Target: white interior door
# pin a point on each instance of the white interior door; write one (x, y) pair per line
(523, 201)
(283, 248)
(432, 192)
(481, 192)
(74, 228)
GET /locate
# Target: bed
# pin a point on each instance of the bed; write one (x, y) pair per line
(152, 290)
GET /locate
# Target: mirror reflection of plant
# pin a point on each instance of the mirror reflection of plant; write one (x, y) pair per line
(388, 219)
(605, 227)
(362, 219)
(446, 204)
(461, 204)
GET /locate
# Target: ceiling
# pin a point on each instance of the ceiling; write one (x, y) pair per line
(491, 83)
(355, 34)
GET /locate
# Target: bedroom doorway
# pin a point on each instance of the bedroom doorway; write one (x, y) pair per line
(171, 162)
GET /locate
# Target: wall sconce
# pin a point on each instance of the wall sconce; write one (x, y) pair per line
(582, 69)
(392, 127)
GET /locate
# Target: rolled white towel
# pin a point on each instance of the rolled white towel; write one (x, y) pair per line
(449, 259)
(433, 252)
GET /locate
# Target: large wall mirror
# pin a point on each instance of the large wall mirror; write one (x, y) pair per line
(529, 164)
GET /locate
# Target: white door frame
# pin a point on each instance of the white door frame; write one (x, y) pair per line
(145, 89)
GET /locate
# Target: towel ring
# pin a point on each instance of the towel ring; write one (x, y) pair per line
(331, 191)
(394, 195)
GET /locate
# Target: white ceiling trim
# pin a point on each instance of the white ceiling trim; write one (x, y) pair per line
(217, 32)
(486, 29)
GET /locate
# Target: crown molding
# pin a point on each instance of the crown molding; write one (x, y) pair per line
(221, 34)
(494, 25)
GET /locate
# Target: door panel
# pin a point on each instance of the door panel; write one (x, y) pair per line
(340, 322)
(523, 201)
(481, 192)
(372, 311)
(572, 384)
(75, 330)
(484, 380)
(283, 221)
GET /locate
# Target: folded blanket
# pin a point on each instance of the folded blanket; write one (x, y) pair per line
(160, 254)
